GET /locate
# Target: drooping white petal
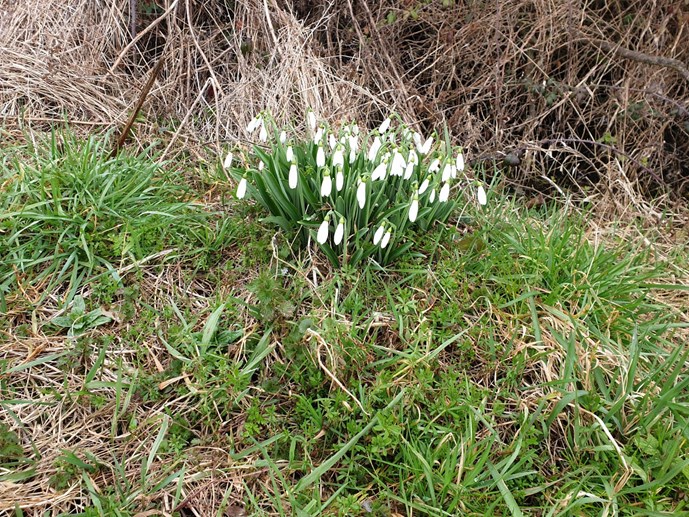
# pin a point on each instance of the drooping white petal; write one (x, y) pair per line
(320, 156)
(261, 165)
(453, 171)
(424, 186)
(263, 134)
(228, 161)
(338, 156)
(434, 166)
(460, 162)
(447, 172)
(339, 179)
(414, 209)
(398, 164)
(332, 141)
(426, 146)
(375, 147)
(289, 154)
(378, 235)
(379, 172)
(283, 137)
(311, 118)
(417, 140)
(386, 239)
(318, 136)
(384, 126)
(361, 194)
(444, 193)
(408, 171)
(339, 232)
(431, 198)
(322, 235)
(481, 195)
(293, 176)
(253, 124)
(241, 189)
(353, 143)
(327, 185)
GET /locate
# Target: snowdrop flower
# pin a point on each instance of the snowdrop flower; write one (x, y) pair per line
(444, 193)
(379, 172)
(318, 135)
(386, 239)
(338, 156)
(289, 154)
(261, 165)
(311, 118)
(414, 208)
(283, 137)
(384, 126)
(327, 185)
(263, 134)
(339, 179)
(320, 156)
(434, 166)
(361, 193)
(228, 161)
(481, 195)
(417, 140)
(322, 235)
(449, 171)
(398, 164)
(379, 234)
(293, 176)
(424, 186)
(339, 232)
(460, 162)
(375, 147)
(431, 198)
(332, 141)
(423, 149)
(241, 189)
(354, 143)
(253, 125)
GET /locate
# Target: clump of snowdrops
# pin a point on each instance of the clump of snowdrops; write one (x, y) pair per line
(356, 194)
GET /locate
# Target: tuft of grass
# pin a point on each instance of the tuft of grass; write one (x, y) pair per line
(69, 211)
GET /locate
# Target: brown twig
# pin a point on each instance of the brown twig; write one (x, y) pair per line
(142, 97)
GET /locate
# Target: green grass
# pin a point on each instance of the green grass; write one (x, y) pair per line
(517, 369)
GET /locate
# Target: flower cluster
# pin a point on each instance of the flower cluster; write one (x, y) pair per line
(357, 193)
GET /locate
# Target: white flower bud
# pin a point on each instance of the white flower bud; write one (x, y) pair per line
(339, 232)
(339, 179)
(241, 189)
(481, 195)
(384, 126)
(293, 176)
(386, 239)
(414, 209)
(361, 194)
(322, 235)
(289, 154)
(327, 185)
(379, 234)
(228, 161)
(320, 156)
(444, 193)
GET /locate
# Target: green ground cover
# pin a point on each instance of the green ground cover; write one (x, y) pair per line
(163, 349)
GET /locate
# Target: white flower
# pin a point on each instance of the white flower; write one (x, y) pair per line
(283, 137)
(293, 176)
(408, 171)
(398, 164)
(424, 186)
(263, 134)
(361, 194)
(352, 156)
(322, 235)
(318, 135)
(460, 162)
(379, 172)
(434, 166)
(228, 161)
(384, 126)
(431, 198)
(375, 147)
(253, 124)
(379, 234)
(447, 172)
(332, 141)
(241, 189)
(444, 193)
(311, 118)
(289, 154)
(339, 179)
(426, 146)
(481, 195)
(417, 140)
(339, 232)
(320, 156)
(338, 156)
(353, 144)
(327, 185)
(261, 165)
(453, 171)
(386, 239)
(414, 209)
